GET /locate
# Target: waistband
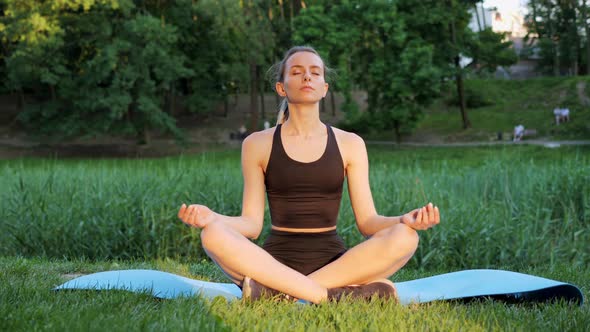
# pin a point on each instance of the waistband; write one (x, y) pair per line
(276, 232)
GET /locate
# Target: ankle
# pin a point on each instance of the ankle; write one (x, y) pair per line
(379, 289)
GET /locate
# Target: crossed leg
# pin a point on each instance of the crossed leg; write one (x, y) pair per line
(374, 259)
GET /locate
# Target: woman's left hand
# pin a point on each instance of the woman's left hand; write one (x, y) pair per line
(422, 218)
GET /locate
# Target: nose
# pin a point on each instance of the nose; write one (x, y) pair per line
(306, 77)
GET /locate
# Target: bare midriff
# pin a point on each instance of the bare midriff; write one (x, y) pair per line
(304, 230)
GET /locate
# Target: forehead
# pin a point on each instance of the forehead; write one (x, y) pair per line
(305, 59)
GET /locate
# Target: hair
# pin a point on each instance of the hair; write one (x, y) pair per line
(277, 72)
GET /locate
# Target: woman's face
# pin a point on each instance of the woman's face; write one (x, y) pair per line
(303, 80)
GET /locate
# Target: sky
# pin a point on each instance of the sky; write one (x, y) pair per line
(506, 5)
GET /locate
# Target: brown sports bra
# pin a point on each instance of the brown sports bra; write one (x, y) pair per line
(304, 195)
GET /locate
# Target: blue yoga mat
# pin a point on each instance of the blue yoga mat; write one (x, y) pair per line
(462, 285)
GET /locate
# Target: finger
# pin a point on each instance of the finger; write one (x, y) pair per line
(419, 217)
(436, 215)
(191, 214)
(433, 212)
(412, 215)
(421, 222)
(185, 213)
(430, 208)
(414, 218)
(181, 210)
(426, 214)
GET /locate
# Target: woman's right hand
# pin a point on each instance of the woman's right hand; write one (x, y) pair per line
(196, 215)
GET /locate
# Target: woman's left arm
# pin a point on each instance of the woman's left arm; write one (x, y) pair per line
(368, 220)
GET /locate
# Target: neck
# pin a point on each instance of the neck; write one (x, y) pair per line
(304, 120)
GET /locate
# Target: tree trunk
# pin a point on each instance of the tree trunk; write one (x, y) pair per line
(398, 134)
(461, 95)
(225, 106)
(253, 97)
(477, 16)
(554, 43)
(587, 30)
(21, 101)
(535, 23)
(261, 92)
(483, 15)
(459, 80)
(172, 101)
(556, 71)
(333, 102)
(576, 44)
(146, 135)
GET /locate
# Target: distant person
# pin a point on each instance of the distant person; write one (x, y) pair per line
(242, 131)
(557, 114)
(562, 114)
(300, 165)
(518, 133)
(266, 124)
(565, 114)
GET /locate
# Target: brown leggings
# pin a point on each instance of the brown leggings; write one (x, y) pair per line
(305, 252)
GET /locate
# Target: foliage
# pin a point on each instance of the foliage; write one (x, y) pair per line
(325, 29)
(92, 67)
(105, 70)
(396, 72)
(490, 50)
(558, 30)
(473, 98)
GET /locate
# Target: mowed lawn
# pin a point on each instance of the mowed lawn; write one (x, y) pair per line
(519, 208)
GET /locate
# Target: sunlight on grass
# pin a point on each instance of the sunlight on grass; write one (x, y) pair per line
(520, 208)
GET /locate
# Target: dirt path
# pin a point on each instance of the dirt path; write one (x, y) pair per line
(545, 143)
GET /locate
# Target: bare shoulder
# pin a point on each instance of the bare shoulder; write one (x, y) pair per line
(348, 141)
(352, 146)
(258, 145)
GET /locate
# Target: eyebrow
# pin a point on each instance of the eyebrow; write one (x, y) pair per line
(300, 66)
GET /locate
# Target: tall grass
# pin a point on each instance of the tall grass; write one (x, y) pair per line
(500, 206)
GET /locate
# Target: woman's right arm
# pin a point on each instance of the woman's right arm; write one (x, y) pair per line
(250, 222)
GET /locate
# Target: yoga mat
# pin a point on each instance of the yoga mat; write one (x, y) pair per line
(512, 287)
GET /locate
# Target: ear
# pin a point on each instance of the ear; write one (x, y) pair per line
(280, 88)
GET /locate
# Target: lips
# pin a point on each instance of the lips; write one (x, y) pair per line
(307, 88)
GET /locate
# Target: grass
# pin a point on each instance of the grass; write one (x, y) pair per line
(520, 208)
(29, 304)
(507, 103)
(534, 198)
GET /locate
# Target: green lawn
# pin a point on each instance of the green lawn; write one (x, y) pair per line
(29, 304)
(520, 208)
(507, 103)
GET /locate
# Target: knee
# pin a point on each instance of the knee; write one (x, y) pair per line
(213, 235)
(403, 238)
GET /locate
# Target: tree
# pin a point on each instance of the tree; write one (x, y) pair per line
(490, 50)
(586, 28)
(442, 24)
(320, 27)
(396, 71)
(556, 26)
(94, 67)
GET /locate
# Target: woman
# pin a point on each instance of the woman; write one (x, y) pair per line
(301, 165)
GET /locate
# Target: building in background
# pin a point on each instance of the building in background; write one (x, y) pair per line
(511, 23)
